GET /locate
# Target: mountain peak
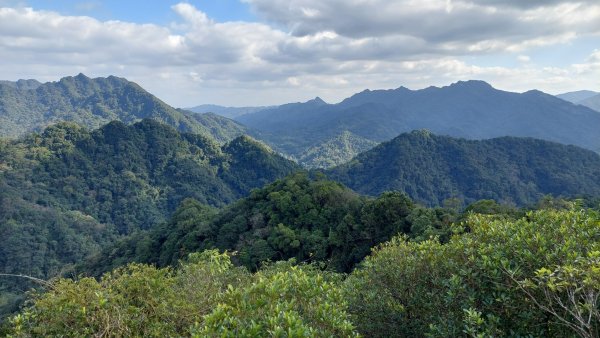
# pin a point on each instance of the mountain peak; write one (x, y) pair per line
(317, 100)
(472, 84)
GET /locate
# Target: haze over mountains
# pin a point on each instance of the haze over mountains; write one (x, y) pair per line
(471, 109)
(586, 98)
(230, 112)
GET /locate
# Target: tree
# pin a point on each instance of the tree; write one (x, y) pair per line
(494, 280)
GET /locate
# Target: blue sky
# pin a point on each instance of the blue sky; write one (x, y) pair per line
(148, 11)
(263, 52)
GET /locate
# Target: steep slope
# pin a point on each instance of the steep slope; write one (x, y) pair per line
(471, 109)
(68, 192)
(133, 176)
(432, 168)
(27, 106)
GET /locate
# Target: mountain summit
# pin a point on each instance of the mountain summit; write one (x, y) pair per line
(27, 106)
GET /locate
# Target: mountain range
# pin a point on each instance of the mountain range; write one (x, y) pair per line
(469, 109)
(230, 112)
(314, 133)
(101, 167)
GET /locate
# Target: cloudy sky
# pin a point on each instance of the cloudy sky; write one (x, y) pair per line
(262, 52)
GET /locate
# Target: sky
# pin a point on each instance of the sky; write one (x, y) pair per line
(266, 52)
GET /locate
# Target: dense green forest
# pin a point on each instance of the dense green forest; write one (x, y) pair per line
(423, 235)
(27, 106)
(498, 275)
(310, 220)
(431, 168)
(68, 192)
(337, 150)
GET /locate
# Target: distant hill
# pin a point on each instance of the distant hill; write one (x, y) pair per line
(339, 149)
(68, 192)
(577, 96)
(27, 105)
(592, 102)
(229, 112)
(471, 109)
(586, 98)
(432, 168)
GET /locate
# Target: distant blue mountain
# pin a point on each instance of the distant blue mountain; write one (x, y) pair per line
(592, 102)
(577, 96)
(469, 109)
(229, 112)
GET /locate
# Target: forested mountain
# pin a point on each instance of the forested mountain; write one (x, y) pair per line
(22, 84)
(230, 112)
(339, 149)
(68, 191)
(27, 105)
(221, 129)
(431, 168)
(498, 276)
(297, 217)
(471, 109)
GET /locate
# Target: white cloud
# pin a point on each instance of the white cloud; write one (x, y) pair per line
(328, 48)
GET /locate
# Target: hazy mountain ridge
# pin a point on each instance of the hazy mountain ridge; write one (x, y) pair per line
(470, 109)
(577, 96)
(431, 168)
(592, 102)
(586, 98)
(229, 112)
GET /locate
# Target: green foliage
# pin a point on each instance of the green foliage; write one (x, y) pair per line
(31, 106)
(68, 192)
(431, 169)
(282, 301)
(335, 151)
(475, 284)
(310, 220)
(206, 296)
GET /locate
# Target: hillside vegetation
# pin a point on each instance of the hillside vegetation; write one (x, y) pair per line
(68, 192)
(431, 168)
(27, 106)
(497, 276)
